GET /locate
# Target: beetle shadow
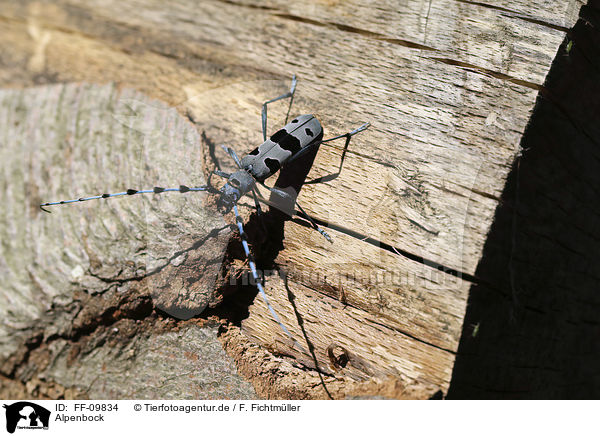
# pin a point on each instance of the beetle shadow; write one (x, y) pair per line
(267, 233)
(291, 179)
(267, 230)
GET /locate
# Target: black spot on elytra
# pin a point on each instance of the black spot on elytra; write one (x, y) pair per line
(309, 132)
(254, 152)
(272, 164)
(295, 120)
(278, 136)
(290, 143)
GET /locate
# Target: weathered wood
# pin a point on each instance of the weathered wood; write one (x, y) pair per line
(61, 140)
(448, 86)
(538, 326)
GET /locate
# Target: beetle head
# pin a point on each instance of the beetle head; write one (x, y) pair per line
(237, 185)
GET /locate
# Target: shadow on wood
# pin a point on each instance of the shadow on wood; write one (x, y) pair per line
(266, 232)
(534, 333)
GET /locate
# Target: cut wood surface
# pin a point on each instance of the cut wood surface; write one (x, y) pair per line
(448, 87)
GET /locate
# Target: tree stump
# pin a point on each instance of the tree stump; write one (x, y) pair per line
(430, 276)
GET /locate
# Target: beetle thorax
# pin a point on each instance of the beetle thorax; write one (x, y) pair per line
(237, 185)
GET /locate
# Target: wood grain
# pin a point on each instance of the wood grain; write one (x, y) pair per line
(448, 86)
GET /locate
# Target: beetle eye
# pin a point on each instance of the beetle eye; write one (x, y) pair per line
(235, 182)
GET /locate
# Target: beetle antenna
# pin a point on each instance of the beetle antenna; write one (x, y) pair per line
(156, 190)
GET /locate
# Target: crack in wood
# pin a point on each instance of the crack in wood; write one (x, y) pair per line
(212, 234)
(384, 246)
(486, 71)
(356, 30)
(372, 320)
(515, 14)
(249, 6)
(413, 337)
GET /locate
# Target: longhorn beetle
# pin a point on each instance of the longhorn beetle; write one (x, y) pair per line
(282, 148)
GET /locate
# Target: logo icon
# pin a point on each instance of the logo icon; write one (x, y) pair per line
(26, 415)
